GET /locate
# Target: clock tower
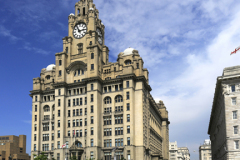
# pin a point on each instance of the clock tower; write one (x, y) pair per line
(87, 107)
(84, 47)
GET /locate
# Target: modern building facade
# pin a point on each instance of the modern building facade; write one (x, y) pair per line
(92, 108)
(13, 147)
(224, 121)
(184, 152)
(174, 153)
(205, 152)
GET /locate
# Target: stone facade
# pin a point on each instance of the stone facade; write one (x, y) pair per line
(92, 108)
(224, 121)
(184, 152)
(205, 150)
(13, 146)
(174, 152)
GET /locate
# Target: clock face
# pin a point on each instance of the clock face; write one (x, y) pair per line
(100, 36)
(79, 30)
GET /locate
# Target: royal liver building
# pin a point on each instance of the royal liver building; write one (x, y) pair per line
(88, 107)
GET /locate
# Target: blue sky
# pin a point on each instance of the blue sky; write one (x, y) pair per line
(184, 44)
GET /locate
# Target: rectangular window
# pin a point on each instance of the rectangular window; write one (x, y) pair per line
(60, 62)
(77, 133)
(35, 147)
(69, 125)
(137, 65)
(73, 123)
(127, 95)
(92, 55)
(91, 130)
(59, 102)
(234, 114)
(69, 134)
(128, 129)
(85, 100)
(91, 153)
(80, 111)
(58, 134)
(52, 146)
(36, 99)
(234, 101)
(74, 112)
(80, 101)
(69, 103)
(73, 102)
(59, 73)
(91, 86)
(236, 144)
(128, 106)
(119, 119)
(35, 117)
(119, 131)
(35, 137)
(85, 121)
(77, 101)
(52, 136)
(128, 117)
(35, 108)
(77, 112)
(235, 128)
(77, 122)
(91, 119)
(128, 140)
(69, 113)
(91, 109)
(85, 111)
(115, 69)
(58, 145)
(92, 66)
(58, 113)
(58, 123)
(116, 87)
(85, 132)
(59, 92)
(80, 122)
(233, 88)
(53, 126)
(127, 84)
(91, 97)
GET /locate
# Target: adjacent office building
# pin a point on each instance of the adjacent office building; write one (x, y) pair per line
(205, 150)
(88, 107)
(224, 121)
(13, 147)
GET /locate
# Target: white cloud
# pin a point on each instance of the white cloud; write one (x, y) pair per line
(7, 33)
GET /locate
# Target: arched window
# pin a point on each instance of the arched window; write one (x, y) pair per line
(48, 77)
(118, 98)
(127, 62)
(46, 108)
(78, 144)
(78, 11)
(107, 100)
(84, 11)
(79, 72)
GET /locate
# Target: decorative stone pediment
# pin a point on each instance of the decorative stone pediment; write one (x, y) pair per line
(76, 64)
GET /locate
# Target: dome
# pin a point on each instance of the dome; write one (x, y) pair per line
(128, 51)
(50, 67)
(71, 14)
(91, 9)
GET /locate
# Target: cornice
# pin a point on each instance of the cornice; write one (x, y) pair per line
(60, 84)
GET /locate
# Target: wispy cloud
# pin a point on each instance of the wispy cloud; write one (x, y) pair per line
(35, 50)
(7, 33)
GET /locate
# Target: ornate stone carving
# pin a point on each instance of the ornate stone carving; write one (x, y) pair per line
(225, 89)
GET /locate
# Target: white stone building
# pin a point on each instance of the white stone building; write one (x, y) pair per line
(224, 121)
(205, 152)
